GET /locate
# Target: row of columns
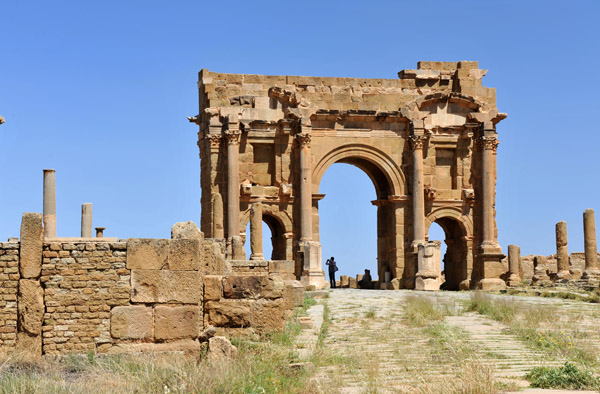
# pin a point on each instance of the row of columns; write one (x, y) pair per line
(232, 136)
(563, 271)
(49, 210)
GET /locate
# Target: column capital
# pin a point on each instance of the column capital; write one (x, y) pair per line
(416, 141)
(214, 140)
(303, 140)
(488, 143)
(232, 137)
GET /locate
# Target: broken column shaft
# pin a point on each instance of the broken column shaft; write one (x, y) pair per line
(49, 203)
(514, 263)
(589, 235)
(562, 253)
(86, 220)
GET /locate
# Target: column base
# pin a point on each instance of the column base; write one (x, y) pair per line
(492, 269)
(513, 280)
(427, 284)
(312, 272)
(491, 284)
(257, 256)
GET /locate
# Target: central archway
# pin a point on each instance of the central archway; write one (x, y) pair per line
(389, 183)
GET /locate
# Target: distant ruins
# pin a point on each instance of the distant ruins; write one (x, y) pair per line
(427, 140)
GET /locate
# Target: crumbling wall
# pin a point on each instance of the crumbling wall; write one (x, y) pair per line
(80, 295)
(9, 282)
(256, 294)
(82, 282)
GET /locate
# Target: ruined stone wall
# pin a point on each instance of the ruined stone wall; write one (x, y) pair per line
(9, 281)
(82, 282)
(576, 263)
(78, 295)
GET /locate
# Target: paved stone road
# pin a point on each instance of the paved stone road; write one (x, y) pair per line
(377, 350)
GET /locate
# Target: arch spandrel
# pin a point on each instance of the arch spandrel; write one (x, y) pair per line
(465, 222)
(369, 159)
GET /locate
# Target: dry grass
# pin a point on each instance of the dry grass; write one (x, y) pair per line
(262, 366)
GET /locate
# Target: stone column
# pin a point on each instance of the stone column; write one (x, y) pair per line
(490, 254)
(86, 220)
(488, 144)
(49, 203)
(309, 250)
(303, 140)
(589, 236)
(232, 136)
(256, 240)
(418, 197)
(217, 216)
(562, 254)
(514, 263)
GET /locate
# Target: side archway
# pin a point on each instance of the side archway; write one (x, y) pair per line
(281, 228)
(458, 259)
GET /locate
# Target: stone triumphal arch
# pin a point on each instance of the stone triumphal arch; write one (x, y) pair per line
(427, 140)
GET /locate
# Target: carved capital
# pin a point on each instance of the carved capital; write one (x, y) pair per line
(232, 137)
(303, 140)
(416, 141)
(214, 140)
(488, 143)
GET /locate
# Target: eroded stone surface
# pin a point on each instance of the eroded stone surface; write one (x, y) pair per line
(32, 238)
(177, 322)
(147, 254)
(132, 322)
(152, 286)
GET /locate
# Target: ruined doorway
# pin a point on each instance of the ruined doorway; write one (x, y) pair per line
(454, 251)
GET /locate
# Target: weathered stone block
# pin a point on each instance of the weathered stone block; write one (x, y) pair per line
(131, 322)
(29, 345)
(228, 313)
(186, 230)
(244, 286)
(293, 294)
(213, 257)
(185, 254)
(30, 306)
(176, 322)
(213, 287)
(32, 239)
(220, 348)
(267, 315)
(147, 254)
(151, 286)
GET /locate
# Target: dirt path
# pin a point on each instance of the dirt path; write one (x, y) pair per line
(373, 347)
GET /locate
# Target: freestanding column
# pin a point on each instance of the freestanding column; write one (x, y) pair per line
(86, 220)
(418, 200)
(514, 262)
(562, 254)
(256, 232)
(233, 180)
(49, 203)
(589, 236)
(305, 187)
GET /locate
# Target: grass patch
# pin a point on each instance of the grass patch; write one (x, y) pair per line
(565, 377)
(420, 311)
(262, 366)
(371, 313)
(485, 305)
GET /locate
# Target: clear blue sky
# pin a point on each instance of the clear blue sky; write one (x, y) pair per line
(99, 90)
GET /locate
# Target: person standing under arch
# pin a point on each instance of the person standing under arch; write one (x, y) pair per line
(332, 269)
